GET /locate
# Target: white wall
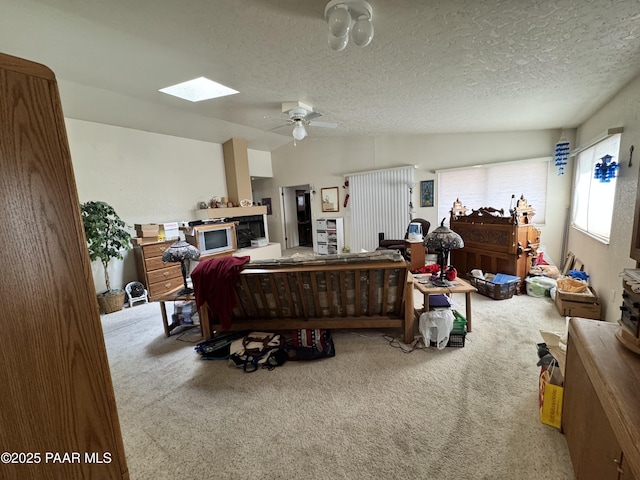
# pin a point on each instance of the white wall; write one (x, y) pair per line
(322, 162)
(146, 177)
(604, 263)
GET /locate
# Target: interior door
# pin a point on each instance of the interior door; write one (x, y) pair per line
(303, 209)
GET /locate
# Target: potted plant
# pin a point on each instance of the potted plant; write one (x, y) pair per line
(106, 238)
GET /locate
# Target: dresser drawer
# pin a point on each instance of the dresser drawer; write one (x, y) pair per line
(156, 263)
(162, 274)
(156, 249)
(162, 288)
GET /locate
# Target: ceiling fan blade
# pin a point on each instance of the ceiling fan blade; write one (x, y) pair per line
(323, 124)
(279, 126)
(312, 115)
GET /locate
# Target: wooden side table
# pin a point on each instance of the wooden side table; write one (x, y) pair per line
(175, 297)
(416, 253)
(461, 286)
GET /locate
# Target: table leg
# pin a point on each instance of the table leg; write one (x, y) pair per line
(165, 322)
(468, 306)
(205, 325)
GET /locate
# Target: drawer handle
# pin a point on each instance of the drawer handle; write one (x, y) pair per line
(166, 274)
(167, 285)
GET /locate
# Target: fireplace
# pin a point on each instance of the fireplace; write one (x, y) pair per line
(248, 228)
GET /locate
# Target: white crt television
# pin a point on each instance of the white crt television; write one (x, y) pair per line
(214, 238)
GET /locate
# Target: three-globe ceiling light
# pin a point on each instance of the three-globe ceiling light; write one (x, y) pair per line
(346, 17)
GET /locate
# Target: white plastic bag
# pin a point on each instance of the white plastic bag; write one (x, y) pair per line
(435, 326)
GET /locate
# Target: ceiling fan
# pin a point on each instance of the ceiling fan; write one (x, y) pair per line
(300, 117)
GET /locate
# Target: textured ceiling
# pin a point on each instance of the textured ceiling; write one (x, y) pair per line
(432, 67)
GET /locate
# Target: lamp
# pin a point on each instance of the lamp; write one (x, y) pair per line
(179, 252)
(346, 17)
(443, 240)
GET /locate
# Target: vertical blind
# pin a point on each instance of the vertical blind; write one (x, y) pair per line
(379, 204)
(494, 186)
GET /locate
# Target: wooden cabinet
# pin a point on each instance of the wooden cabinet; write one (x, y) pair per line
(57, 394)
(494, 244)
(159, 277)
(601, 419)
(329, 236)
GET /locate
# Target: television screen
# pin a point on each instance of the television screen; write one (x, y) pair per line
(214, 239)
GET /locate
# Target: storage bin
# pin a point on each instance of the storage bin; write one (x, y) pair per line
(456, 340)
(497, 291)
(539, 286)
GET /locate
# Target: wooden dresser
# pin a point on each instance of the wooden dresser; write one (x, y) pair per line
(601, 414)
(159, 277)
(495, 243)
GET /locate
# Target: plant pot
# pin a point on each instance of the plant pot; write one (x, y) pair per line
(112, 301)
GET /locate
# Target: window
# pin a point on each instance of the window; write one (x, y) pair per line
(494, 186)
(592, 205)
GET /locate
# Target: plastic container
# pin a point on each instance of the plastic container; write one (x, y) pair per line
(539, 286)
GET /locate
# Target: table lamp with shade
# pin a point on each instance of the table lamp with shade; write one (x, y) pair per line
(442, 240)
(181, 251)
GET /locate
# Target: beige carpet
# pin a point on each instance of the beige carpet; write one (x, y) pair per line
(371, 412)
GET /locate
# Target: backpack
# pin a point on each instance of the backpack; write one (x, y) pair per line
(310, 344)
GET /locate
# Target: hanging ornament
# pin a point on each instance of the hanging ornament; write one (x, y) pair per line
(562, 154)
(605, 171)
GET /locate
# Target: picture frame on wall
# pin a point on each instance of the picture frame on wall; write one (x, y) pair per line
(426, 193)
(330, 199)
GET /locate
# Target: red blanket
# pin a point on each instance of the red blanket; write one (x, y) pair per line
(214, 282)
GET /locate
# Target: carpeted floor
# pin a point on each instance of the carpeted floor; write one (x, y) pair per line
(371, 412)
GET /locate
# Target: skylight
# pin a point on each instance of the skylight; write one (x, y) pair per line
(198, 89)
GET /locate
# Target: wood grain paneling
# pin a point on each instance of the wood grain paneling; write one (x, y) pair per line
(57, 394)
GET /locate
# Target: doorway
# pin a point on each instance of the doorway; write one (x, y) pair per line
(296, 216)
(303, 203)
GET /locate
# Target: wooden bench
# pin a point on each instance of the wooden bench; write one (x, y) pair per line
(373, 290)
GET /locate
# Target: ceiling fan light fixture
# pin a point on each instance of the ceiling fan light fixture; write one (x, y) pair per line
(299, 132)
(362, 32)
(339, 20)
(338, 43)
(349, 16)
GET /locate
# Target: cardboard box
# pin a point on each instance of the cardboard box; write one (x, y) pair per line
(584, 305)
(146, 230)
(142, 240)
(550, 394)
(170, 230)
(145, 226)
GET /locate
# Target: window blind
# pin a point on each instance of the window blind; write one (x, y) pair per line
(498, 186)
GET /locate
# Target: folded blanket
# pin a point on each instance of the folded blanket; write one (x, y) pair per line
(214, 282)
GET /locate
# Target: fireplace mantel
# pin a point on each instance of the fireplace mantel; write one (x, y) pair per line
(210, 213)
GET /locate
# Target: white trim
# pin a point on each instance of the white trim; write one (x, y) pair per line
(379, 170)
(601, 137)
(495, 164)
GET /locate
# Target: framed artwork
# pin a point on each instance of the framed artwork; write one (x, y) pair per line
(330, 199)
(267, 203)
(426, 193)
(568, 263)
